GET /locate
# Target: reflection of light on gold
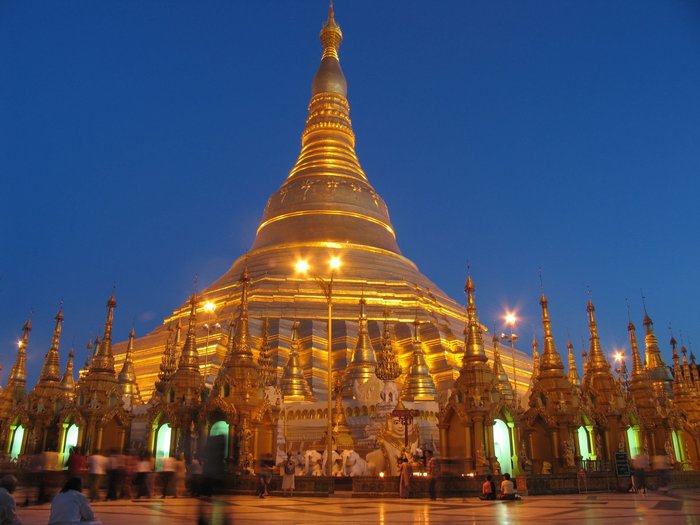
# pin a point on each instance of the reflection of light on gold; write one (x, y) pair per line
(327, 212)
(334, 262)
(511, 318)
(381, 474)
(19, 343)
(302, 266)
(209, 307)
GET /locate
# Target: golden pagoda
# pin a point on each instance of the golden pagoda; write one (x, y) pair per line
(131, 395)
(326, 207)
(105, 424)
(13, 400)
(604, 395)
(554, 411)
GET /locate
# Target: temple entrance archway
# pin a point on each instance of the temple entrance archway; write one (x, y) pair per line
(220, 428)
(16, 442)
(583, 434)
(71, 439)
(501, 445)
(162, 448)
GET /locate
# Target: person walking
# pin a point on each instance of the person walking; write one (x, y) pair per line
(71, 507)
(288, 469)
(8, 506)
(167, 474)
(143, 471)
(405, 478)
(97, 468)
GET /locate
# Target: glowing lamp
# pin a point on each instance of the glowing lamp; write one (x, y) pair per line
(302, 266)
(511, 318)
(209, 307)
(334, 262)
(381, 474)
(618, 356)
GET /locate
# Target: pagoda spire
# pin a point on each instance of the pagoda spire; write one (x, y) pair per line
(18, 374)
(127, 375)
(103, 360)
(535, 361)
(51, 369)
(239, 348)
(638, 370)
(596, 357)
(327, 182)
(68, 380)
(574, 378)
(551, 364)
(657, 369)
(189, 358)
(474, 345)
(268, 377)
(679, 385)
(388, 368)
(502, 382)
(419, 384)
(363, 362)
(294, 385)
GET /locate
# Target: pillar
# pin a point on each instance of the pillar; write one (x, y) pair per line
(98, 445)
(443, 441)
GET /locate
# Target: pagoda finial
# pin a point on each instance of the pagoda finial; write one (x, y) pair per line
(535, 360)
(51, 371)
(388, 368)
(419, 384)
(267, 373)
(638, 370)
(294, 385)
(189, 358)
(18, 374)
(127, 375)
(363, 362)
(331, 35)
(474, 345)
(574, 378)
(68, 381)
(551, 364)
(103, 359)
(502, 382)
(596, 357)
(241, 337)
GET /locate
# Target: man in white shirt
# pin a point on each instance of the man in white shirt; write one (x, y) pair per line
(507, 488)
(97, 468)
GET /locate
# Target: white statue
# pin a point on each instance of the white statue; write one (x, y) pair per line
(335, 459)
(368, 393)
(353, 464)
(312, 458)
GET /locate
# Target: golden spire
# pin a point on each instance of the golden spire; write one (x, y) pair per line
(327, 184)
(502, 382)
(331, 36)
(294, 385)
(574, 378)
(167, 362)
(659, 373)
(268, 377)
(638, 370)
(679, 386)
(388, 368)
(363, 362)
(596, 357)
(51, 369)
(88, 358)
(18, 374)
(419, 384)
(551, 364)
(474, 345)
(127, 375)
(189, 358)
(103, 360)
(239, 347)
(535, 360)
(68, 381)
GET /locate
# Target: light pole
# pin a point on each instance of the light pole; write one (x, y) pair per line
(511, 319)
(302, 266)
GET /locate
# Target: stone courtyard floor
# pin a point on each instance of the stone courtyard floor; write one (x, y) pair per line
(677, 507)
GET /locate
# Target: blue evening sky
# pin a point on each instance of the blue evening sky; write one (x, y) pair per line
(140, 140)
